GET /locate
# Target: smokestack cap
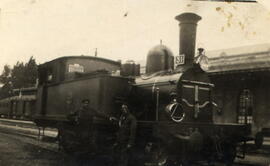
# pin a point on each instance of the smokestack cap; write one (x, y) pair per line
(188, 18)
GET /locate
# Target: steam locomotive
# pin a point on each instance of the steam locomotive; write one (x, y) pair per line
(173, 106)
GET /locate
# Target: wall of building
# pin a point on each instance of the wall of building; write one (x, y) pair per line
(227, 93)
(226, 98)
(261, 113)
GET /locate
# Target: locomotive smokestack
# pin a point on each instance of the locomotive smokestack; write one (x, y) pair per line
(188, 26)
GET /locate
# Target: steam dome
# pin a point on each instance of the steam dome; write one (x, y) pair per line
(159, 58)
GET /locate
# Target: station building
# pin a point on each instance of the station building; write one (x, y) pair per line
(242, 79)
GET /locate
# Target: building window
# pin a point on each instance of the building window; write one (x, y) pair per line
(245, 107)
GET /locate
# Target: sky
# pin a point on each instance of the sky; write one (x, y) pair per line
(122, 29)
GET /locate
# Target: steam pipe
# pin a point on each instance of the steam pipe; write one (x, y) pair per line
(157, 104)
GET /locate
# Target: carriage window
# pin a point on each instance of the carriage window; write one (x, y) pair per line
(245, 107)
(75, 68)
(49, 75)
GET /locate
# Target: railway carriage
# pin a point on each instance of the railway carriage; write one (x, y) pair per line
(5, 108)
(18, 107)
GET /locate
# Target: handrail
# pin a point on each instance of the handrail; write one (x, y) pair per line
(198, 83)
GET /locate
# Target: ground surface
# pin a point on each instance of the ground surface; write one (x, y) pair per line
(18, 149)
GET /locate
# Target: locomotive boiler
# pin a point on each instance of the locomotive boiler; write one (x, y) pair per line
(173, 105)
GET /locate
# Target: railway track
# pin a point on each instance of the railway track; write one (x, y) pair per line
(27, 131)
(28, 127)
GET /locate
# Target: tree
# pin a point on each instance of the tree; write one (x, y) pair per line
(5, 80)
(18, 75)
(30, 72)
(6, 74)
(21, 76)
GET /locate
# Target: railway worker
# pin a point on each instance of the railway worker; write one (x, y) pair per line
(84, 117)
(125, 137)
(86, 114)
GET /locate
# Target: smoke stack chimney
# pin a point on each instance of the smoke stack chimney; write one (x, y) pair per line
(188, 26)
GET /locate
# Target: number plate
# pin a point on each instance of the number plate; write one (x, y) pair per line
(180, 60)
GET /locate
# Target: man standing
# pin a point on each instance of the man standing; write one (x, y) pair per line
(125, 137)
(86, 114)
(84, 118)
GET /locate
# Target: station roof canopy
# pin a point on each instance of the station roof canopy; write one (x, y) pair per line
(241, 59)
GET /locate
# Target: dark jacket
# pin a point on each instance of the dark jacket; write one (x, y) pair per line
(127, 129)
(86, 115)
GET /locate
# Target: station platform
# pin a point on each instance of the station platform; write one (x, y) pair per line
(26, 127)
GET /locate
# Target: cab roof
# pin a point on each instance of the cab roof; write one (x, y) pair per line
(83, 57)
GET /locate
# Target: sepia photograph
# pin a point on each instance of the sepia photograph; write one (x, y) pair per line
(134, 83)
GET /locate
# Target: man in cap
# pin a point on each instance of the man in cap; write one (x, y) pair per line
(125, 136)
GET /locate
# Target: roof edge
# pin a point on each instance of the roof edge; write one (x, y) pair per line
(83, 56)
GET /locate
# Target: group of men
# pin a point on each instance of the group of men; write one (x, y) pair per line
(126, 134)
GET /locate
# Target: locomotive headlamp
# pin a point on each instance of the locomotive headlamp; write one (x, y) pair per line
(202, 60)
(175, 111)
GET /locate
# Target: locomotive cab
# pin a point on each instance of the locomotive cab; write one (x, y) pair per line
(64, 84)
(66, 81)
